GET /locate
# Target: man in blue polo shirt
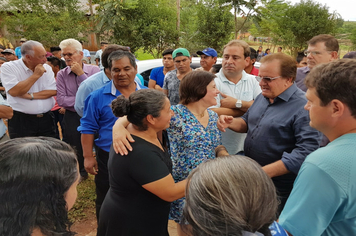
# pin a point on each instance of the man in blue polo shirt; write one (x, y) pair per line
(98, 118)
(157, 74)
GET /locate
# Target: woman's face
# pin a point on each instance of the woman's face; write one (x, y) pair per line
(71, 194)
(165, 117)
(211, 93)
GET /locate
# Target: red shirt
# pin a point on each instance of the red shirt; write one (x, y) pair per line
(254, 71)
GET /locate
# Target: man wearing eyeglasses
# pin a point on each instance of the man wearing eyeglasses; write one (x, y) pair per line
(30, 87)
(278, 133)
(322, 48)
(68, 81)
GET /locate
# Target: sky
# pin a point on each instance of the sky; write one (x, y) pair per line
(346, 8)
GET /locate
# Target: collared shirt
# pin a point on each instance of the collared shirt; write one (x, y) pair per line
(16, 71)
(246, 89)
(89, 85)
(68, 84)
(2, 124)
(98, 116)
(280, 131)
(18, 52)
(302, 72)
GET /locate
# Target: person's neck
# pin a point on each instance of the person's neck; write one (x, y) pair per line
(248, 69)
(28, 65)
(107, 73)
(150, 135)
(198, 108)
(167, 69)
(180, 75)
(36, 232)
(126, 91)
(234, 77)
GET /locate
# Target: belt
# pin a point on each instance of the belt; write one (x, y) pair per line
(32, 115)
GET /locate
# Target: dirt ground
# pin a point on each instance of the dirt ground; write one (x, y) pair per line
(88, 226)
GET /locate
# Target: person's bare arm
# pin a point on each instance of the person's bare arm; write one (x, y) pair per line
(97, 61)
(235, 124)
(152, 83)
(40, 95)
(166, 189)
(221, 151)
(228, 111)
(121, 138)
(230, 102)
(90, 163)
(24, 86)
(6, 112)
(275, 169)
(165, 91)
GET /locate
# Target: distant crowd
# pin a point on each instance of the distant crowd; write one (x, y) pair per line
(261, 144)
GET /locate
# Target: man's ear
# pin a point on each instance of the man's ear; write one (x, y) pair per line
(334, 55)
(338, 108)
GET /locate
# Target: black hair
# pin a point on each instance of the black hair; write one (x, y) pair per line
(139, 105)
(167, 52)
(300, 56)
(54, 61)
(35, 174)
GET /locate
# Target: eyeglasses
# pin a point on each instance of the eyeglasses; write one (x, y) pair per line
(265, 78)
(68, 54)
(314, 53)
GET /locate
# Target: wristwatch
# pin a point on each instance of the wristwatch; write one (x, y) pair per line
(238, 104)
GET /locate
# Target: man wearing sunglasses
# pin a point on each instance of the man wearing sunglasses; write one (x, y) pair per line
(68, 81)
(278, 133)
(322, 48)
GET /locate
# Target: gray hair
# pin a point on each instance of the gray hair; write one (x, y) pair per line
(28, 48)
(228, 195)
(117, 55)
(71, 43)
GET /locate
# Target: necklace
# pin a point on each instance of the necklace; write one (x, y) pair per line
(199, 115)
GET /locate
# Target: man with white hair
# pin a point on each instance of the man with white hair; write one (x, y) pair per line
(68, 81)
(30, 87)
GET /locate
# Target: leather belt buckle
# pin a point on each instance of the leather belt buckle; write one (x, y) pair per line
(39, 115)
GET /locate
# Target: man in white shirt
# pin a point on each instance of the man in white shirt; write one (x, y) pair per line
(237, 90)
(30, 86)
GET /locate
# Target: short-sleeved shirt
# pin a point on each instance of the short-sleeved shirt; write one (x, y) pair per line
(171, 83)
(127, 202)
(157, 75)
(246, 89)
(190, 145)
(323, 200)
(98, 56)
(2, 124)
(16, 71)
(280, 131)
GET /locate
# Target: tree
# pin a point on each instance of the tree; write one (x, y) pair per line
(216, 24)
(150, 24)
(301, 22)
(46, 21)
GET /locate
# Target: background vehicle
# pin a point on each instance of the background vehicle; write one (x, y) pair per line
(144, 67)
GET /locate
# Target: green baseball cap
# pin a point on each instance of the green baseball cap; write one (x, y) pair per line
(180, 52)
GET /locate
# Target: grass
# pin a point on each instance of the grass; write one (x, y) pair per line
(85, 201)
(140, 55)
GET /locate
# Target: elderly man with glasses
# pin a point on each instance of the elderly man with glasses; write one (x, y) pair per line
(322, 48)
(278, 133)
(68, 81)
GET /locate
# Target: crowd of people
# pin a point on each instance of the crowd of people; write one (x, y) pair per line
(222, 150)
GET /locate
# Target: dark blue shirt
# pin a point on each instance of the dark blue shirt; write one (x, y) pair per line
(157, 75)
(280, 131)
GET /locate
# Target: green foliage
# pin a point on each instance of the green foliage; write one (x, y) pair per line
(142, 23)
(216, 23)
(301, 22)
(352, 37)
(46, 21)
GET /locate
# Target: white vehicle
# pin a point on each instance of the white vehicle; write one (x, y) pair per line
(144, 67)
